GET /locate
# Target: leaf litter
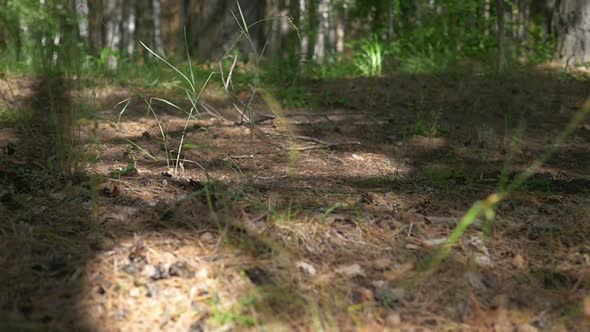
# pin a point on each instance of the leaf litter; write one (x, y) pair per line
(276, 237)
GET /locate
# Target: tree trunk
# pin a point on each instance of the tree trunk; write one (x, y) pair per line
(303, 28)
(285, 30)
(187, 24)
(544, 10)
(278, 7)
(523, 20)
(418, 12)
(144, 30)
(95, 35)
(3, 27)
(82, 16)
(501, 36)
(486, 16)
(340, 28)
(391, 20)
(24, 35)
(129, 27)
(573, 30)
(323, 28)
(157, 19)
(113, 31)
(220, 25)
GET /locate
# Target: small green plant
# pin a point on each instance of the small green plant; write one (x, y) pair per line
(369, 61)
(285, 216)
(422, 127)
(294, 96)
(130, 169)
(234, 315)
(329, 99)
(427, 122)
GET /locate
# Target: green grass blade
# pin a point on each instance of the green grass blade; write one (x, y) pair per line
(169, 64)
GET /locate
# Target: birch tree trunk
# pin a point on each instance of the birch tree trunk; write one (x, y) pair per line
(303, 25)
(340, 26)
(113, 31)
(323, 28)
(331, 28)
(129, 27)
(82, 16)
(157, 19)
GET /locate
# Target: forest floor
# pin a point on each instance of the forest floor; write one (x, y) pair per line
(320, 219)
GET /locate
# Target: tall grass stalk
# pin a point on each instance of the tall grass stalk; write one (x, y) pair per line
(487, 206)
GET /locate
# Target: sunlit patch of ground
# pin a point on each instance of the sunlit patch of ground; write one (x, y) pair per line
(322, 223)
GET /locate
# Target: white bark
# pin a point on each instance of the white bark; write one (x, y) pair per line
(304, 43)
(157, 17)
(323, 29)
(24, 37)
(340, 28)
(113, 31)
(129, 27)
(82, 15)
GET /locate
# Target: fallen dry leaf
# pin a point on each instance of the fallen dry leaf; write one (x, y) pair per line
(306, 268)
(519, 262)
(351, 270)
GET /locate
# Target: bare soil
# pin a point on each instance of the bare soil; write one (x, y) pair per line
(322, 218)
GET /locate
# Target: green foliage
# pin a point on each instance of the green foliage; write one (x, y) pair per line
(235, 314)
(294, 96)
(332, 68)
(369, 60)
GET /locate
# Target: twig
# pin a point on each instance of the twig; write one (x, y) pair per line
(210, 110)
(321, 144)
(324, 146)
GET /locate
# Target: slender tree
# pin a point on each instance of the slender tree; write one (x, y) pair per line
(486, 16)
(129, 27)
(501, 36)
(81, 8)
(391, 20)
(95, 26)
(157, 21)
(113, 31)
(322, 30)
(340, 26)
(303, 24)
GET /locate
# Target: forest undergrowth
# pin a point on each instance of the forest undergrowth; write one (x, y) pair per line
(316, 215)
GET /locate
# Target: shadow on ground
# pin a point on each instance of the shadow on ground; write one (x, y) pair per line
(318, 238)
